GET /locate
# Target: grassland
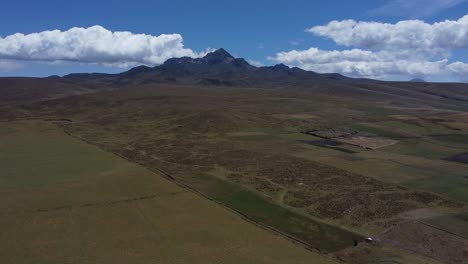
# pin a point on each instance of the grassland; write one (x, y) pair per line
(416, 161)
(64, 201)
(244, 149)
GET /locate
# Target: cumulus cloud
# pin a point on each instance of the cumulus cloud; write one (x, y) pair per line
(359, 63)
(410, 34)
(94, 45)
(459, 69)
(414, 8)
(409, 48)
(256, 63)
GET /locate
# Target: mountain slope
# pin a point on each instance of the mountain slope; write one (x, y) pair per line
(218, 68)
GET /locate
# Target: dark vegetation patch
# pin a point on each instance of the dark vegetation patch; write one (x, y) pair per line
(324, 142)
(461, 158)
(331, 133)
(58, 120)
(329, 144)
(345, 135)
(439, 120)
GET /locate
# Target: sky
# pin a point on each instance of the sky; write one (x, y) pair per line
(381, 39)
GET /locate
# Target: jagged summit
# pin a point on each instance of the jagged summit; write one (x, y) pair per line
(281, 67)
(220, 52)
(219, 56)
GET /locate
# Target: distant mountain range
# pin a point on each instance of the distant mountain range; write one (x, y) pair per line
(218, 68)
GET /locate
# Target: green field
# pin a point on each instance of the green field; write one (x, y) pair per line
(319, 235)
(64, 201)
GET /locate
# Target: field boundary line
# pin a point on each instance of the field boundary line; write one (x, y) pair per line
(441, 229)
(91, 204)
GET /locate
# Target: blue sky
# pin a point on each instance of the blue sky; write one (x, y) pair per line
(256, 30)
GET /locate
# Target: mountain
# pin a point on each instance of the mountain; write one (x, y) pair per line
(221, 69)
(217, 68)
(418, 80)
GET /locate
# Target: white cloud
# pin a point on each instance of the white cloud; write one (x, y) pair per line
(409, 48)
(256, 63)
(359, 63)
(94, 45)
(414, 8)
(459, 69)
(409, 34)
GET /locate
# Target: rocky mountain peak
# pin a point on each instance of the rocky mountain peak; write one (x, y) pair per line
(219, 56)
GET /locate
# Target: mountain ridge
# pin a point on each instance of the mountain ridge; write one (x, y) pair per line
(216, 68)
